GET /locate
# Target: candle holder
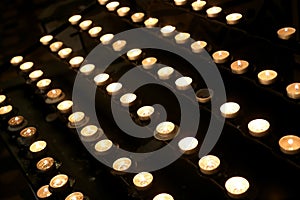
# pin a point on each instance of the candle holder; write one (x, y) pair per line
(123, 11)
(76, 196)
(76, 61)
(56, 46)
(293, 90)
(114, 88)
(163, 196)
(27, 136)
(267, 77)
(198, 5)
(87, 69)
(121, 165)
(214, 11)
(35, 76)
(112, 6)
(149, 62)
(167, 30)
(144, 113)
(101, 79)
(182, 38)
(106, 38)
(16, 60)
(44, 193)
(237, 187)
(180, 2)
(77, 120)
(134, 54)
(43, 85)
(46, 39)
(188, 145)
(3, 100)
(90, 133)
(258, 127)
(289, 144)
(286, 33)
(86, 24)
(74, 20)
(16, 123)
(65, 52)
(103, 146)
(230, 109)
(137, 17)
(183, 83)
(204, 95)
(165, 73)
(221, 56)
(233, 18)
(198, 46)
(209, 164)
(166, 131)
(151, 22)
(119, 45)
(46, 168)
(6, 112)
(65, 106)
(95, 31)
(61, 185)
(143, 180)
(54, 96)
(239, 67)
(37, 149)
(26, 67)
(128, 99)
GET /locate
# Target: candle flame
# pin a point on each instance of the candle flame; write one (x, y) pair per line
(267, 73)
(296, 87)
(220, 53)
(239, 63)
(286, 29)
(290, 141)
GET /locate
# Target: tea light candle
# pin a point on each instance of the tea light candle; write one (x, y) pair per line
(90, 133)
(122, 164)
(165, 73)
(15, 61)
(137, 17)
(198, 5)
(148, 63)
(43, 84)
(119, 45)
(45, 40)
(258, 127)
(239, 67)
(36, 74)
(127, 99)
(45, 164)
(213, 11)
(58, 181)
(55, 46)
(293, 90)
(86, 24)
(183, 83)
(74, 19)
(5, 109)
(134, 54)
(75, 196)
(289, 144)
(182, 38)
(229, 109)
(76, 61)
(165, 128)
(123, 11)
(145, 112)
(114, 88)
(106, 38)
(87, 69)
(167, 30)
(267, 77)
(54, 93)
(43, 192)
(37, 146)
(101, 79)
(142, 179)
(236, 186)
(95, 31)
(102, 2)
(180, 2)
(188, 144)
(204, 95)
(198, 46)
(2, 98)
(26, 66)
(163, 196)
(209, 164)
(16, 121)
(220, 56)
(76, 118)
(65, 52)
(65, 106)
(151, 22)
(103, 145)
(233, 18)
(286, 33)
(111, 6)
(28, 132)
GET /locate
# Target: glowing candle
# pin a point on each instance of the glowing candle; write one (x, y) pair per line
(258, 127)
(15, 61)
(134, 54)
(119, 45)
(183, 83)
(74, 19)
(103, 145)
(142, 179)
(5, 109)
(28, 132)
(213, 11)
(95, 31)
(75, 196)
(65, 106)
(286, 33)
(86, 24)
(111, 6)
(16, 121)
(45, 164)
(182, 38)
(43, 84)
(26, 66)
(267, 77)
(163, 196)
(122, 164)
(37, 146)
(45, 40)
(76, 118)
(204, 95)
(236, 186)
(127, 99)
(239, 67)
(54, 93)
(209, 164)
(289, 144)
(165, 128)
(59, 181)
(167, 30)
(43, 192)
(220, 56)
(123, 11)
(151, 22)
(76, 61)
(90, 132)
(114, 88)
(106, 38)
(102, 2)
(198, 5)
(293, 90)
(87, 69)
(165, 73)
(101, 79)
(137, 17)
(180, 2)
(36, 74)
(149, 62)
(233, 18)
(65, 52)
(188, 144)
(55, 46)
(2, 98)
(145, 112)
(229, 109)
(198, 46)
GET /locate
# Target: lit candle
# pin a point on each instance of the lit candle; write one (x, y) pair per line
(213, 11)
(75, 196)
(183, 83)
(123, 11)
(151, 22)
(102, 2)
(76, 61)
(103, 145)
(65, 106)
(76, 118)
(55, 46)
(286, 33)
(180, 2)
(122, 164)
(15, 61)
(137, 17)
(134, 54)
(233, 18)
(16, 121)
(45, 164)
(165, 73)
(163, 196)
(37, 146)
(58, 181)
(43, 192)
(5, 109)
(86, 24)
(198, 5)
(106, 38)
(114, 88)
(188, 144)
(267, 77)
(236, 186)
(167, 30)
(46, 39)
(220, 56)
(293, 90)
(258, 127)
(145, 112)
(127, 99)
(119, 45)
(165, 128)
(90, 133)
(142, 180)
(26, 66)
(204, 95)
(198, 46)
(65, 52)
(239, 67)
(43, 84)
(101, 79)
(111, 6)
(209, 164)
(74, 19)
(54, 93)
(28, 132)
(229, 109)
(182, 38)
(289, 144)
(95, 31)
(2, 98)
(87, 69)
(36, 74)
(148, 63)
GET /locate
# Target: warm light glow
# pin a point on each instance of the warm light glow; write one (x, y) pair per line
(236, 185)
(36, 74)
(89, 130)
(293, 90)
(111, 6)
(149, 62)
(233, 18)
(119, 45)
(55, 46)
(16, 60)
(209, 164)
(43, 192)
(220, 56)
(229, 109)
(286, 33)
(94, 32)
(87, 69)
(2, 98)
(37, 146)
(239, 66)
(183, 83)
(59, 181)
(180, 2)
(5, 109)
(75, 196)
(65, 105)
(289, 144)
(167, 30)
(165, 127)
(65, 52)
(163, 196)
(122, 164)
(76, 61)
(187, 144)
(84, 25)
(181, 38)
(198, 46)
(28, 132)
(113, 88)
(267, 77)
(74, 19)
(46, 39)
(102, 2)
(76, 117)
(198, 5)
(145, 112)
(151, 22)
(103, 145)
(258, 127)
(45, 163)
(106, 38)
(26, 66)
(16, 121)
(142, 179)
(127, 99)
(165, 72)
(134, 54)
(101, 78)
(137, 17)
(213, 11)
(123, 11)
(43, 83)
(54, 93)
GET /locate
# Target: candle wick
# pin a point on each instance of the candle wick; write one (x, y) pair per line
(286, 29)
